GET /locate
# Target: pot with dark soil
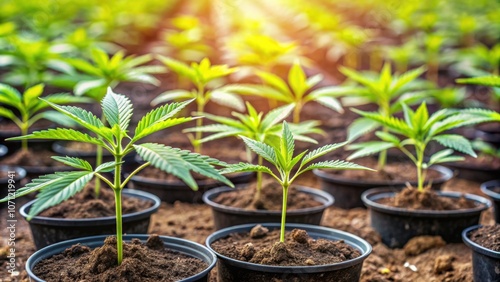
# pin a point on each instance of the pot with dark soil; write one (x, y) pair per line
(400, 216)
(492, 189)
(9, 176)
(83, 215)
(149, 258)
(239, 206)
(484, 243)
(346, 186)
(35, 161)
(309, 253)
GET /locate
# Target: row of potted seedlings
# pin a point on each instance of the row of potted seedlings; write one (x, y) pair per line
(273, 142)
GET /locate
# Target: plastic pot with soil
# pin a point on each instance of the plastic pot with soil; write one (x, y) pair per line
(492, 189)
(483, 241)
(151, 258)
(237, 206)
(51, 226)
(348, 186)
(309, 253)
(399, 216)
(480, 169)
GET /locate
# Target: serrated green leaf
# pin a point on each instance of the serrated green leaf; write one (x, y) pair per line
(276, 115)
(106, 167)
(117, 109)
(55, 117)
(7, 113)
(287, 143)
(74, 162)
(10, 96)
(336, 165)
(406, 78)
(227, 99)
(360, 127)
(387, 137)
(297, 80)
(368, 148)
(59, 98)
(492, 81)
(321, 152)
(172, 95)
(178, 67)
(30, 96)
(61, 134)
(274, 81)
(65, 187)
(83, 87)
(330, 103)
(261, 149)
(438, 156)
(455, 142)
(392, 123)
(244, 167)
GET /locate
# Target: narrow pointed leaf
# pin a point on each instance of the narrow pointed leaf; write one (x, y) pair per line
(244, 167)
(171, 95)
(117, 109)
(321, 152)
(261, 149)
(335, 165)
(61, 134)
(368, 148)
(330, 103)
(359, 127)
(456, 142)
(227, 99)
(277, 115)
(83, 87)
(74, 162)
(106, 167)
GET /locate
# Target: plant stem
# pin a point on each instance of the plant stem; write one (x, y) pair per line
(24, 132)
(296, 112)
(118, 208)
(420, 161)
(200, 107)
(283, 212)
(98, 162)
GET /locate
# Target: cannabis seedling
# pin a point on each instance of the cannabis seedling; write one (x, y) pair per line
(298, 90)
(280, 154)
(114, 137)
(419, 129)
(201, 75)
(31, 109)
(385, 90)
(258, 127)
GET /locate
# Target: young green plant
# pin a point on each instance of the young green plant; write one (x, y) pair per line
(385, 90)
(288, 167)
(418, 129)
(31, 109)
(298, 90)
(114, 137)
(204, 77)
(257, 126)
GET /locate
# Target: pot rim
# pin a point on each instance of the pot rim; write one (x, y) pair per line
(183, 245)
(3, 150)
(488, 185)
(475, 246)
(370, 196)
(328, 201)
(446, 174)
(105, 220)
(20, 172)
(314, 231)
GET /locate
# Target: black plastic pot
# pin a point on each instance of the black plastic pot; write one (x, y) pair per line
(225, 216)
(180, 245)
(48, 230)
(473, 172)
(485, 262)
(347, 192)
(397, 226)
(18, 174)
(492, 189)
(13, 146)
(229, 269)
(171, 192)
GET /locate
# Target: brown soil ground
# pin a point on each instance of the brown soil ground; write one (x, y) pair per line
(32, 157)
(423, 259)
(411, 198)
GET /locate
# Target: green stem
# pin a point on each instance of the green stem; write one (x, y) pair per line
(420, 161)
(98, 162)
(283, 212)
(200, 107)
(259, 178)
(296, 112)
(24, 132)
(118, 208)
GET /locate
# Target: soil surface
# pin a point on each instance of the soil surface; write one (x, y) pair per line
(271, 198)
(85, 205)
(411, 198)
(487, 236)
(423, 259)
(32, 158)
(262, 246)
(150, 262)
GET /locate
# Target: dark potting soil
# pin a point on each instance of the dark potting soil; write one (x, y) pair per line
(397, 172)
(34, 158)
(411, 198)
(262, 246)
(81, 147)
(487, 236)
(271, 198)
(85, 205)
(149, 262)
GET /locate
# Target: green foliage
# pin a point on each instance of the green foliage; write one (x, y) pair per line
(31, 109)
(107, 71)
(418, 129)
(486, 149)
(204, 76)
(288, 167)
(298, 90)
(114, 137)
